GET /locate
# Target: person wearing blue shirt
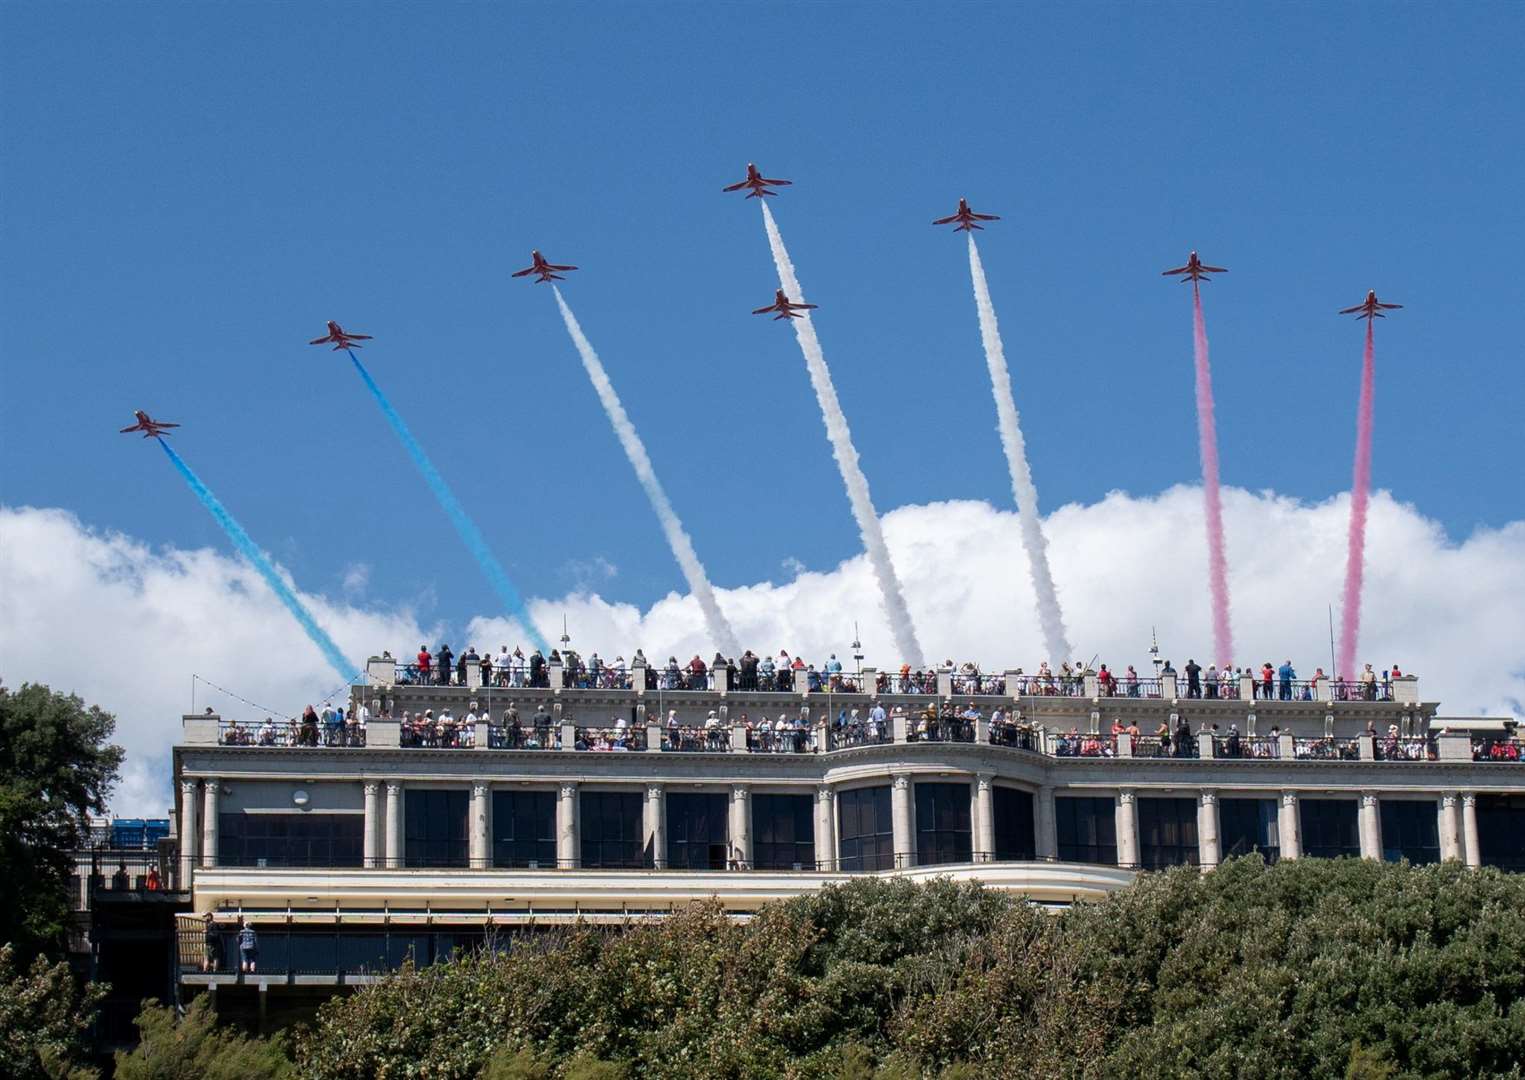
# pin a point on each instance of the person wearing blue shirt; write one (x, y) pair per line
(248, 947)
(1286, 675)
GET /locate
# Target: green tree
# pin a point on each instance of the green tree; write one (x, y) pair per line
(44, 1018)
(56, 768)
(196, 1048)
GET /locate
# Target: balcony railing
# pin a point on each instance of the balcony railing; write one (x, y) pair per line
(1404, 748)
(1124, 687)
(940, 729)
(915, 682)
(437, 735)
(1246, 746)
(1015, 736)
(1050, 685)
(788, 740)
(518, 737)
(850, 735)
(1325, 749)
(1078, 745)
(1497, 748)
(685, 739)
(604, 678)
(979, 684)
(290, 733)
(610, 738)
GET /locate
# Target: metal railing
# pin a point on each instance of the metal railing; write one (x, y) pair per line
(862, 734)
(979, 684)
(1015, 736)
(436, 735)
(520, 737)
(939, 729)
(696, 739)
(290, 733)
(1325, 749)
(1124, 687)
(610, 738)
(768, 682)
(1246, 746)
(1497, 748)
(1050, 685)
(605, 678)
(1404, 748)
(914, 682)
(787, 740)
(1082, 745)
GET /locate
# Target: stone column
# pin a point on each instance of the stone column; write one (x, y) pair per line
(1047, 824)
(391, 850)
(1450, 827)
(566, 827)
(190, 834)
(1127, 828)
(655, 814)
(1209, 848)
(984, 817)
(372, 815)
(477, 845)
(1371, 826)
(741, 826)
(213, 790)
(825, 829)
(1289, 824)
(904, 820)
(1472, 844)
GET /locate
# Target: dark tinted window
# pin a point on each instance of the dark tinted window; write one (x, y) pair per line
(1410, 830)
(524, 828)
(867, 839)
(1087, 829)
(783, 832)
(612, 829)
(1249, 825)
(1013, 811)
(697, 830)
(1329, 828)
(290, 839)
(435, 827)
(1501, 830)
(942, 824)
(1167, 833)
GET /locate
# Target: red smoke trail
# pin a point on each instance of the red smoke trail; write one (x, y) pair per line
(1207, 439)
(1360, 490)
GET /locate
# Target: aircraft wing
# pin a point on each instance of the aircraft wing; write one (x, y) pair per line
(135, 427)
(358, 337)
(765, 310)
(1389, 306)
(779, 182)
(161, 424)
(1215, 269)
(553, 266)
(988, 217)
(321, 341)
(521, 273)
(736, 187)
(1352, 310)
(946, 220)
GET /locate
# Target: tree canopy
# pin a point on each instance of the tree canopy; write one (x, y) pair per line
(56, 768)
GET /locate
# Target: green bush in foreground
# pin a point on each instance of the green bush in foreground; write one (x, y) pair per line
(1307, 968)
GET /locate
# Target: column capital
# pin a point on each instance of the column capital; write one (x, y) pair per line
(569, 789)
(985, 780)
(372, 787)
(1289, 798)
(1368, 798)
(825, 794)
(902, 781)
(188, 786)
(1208, 796)
(1469, 798)
(1448, 799)
(1126, 796)
(394, 787)
(479, 789)
(740, 792)
(654, 791)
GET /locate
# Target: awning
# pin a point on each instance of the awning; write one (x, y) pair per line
(1477, 724)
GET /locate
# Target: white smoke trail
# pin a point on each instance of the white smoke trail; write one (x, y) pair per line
(682, 547)
(1050, 616)
(847, 457)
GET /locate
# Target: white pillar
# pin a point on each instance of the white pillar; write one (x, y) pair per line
(1472, 844)
(190, 835)
(1209, 847)
(741, 825)
(372, 815)
(1450, 827)
(566, 827)
(902, 814)
(1290, 825)
(477, 824)
(656, 825)
(1048, 825)
(213, 790)
(392, 849)
(825, 829)
(1127, 828)
(1371, 826)
(984, 817)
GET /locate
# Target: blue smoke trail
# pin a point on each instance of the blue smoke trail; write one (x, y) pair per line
(251, 551)
(470, 535)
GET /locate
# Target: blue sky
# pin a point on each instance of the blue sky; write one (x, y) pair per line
(188, 191)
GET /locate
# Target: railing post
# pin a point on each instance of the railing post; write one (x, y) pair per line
(1013, 683)
(1168, 686)
(568, 736)
(383, 732)
(1124, 745)
(482, 735)
(1246, 687)
(1286, 747)
(638, 678)
(555, 674)
(1205, 745)
(381, 672)
(722, 677)
(1366, 748)
(200, 730)
(945, 683)
(822, 736)
(474, 675)
(1090, 685)
(1453, 746)
(801, 681)
(1406, 690)
(898, 724)
(1323, 689)
(982, 729)
(653, 738)
(739, 737)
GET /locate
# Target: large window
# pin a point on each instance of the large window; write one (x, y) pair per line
(1501, 831)
(1013, 811)
(1329, 828)
(524, 828)
(1167, 833)
(290, 839)
(1410, 830)
(1249, 825)
(612, 829)
(1087, 829)
(783, 832)
(942, 824)
(435, 827)
(697, 830)
(867, 829)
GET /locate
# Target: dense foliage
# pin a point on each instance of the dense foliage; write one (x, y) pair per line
(1307, 968)
(56, 768)
(44, 1019)
(196, 1047)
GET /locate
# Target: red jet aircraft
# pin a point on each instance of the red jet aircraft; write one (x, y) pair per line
(1370, 308)
(150, 427)
(547, 271)
(786, 308)
(966, 218)
(1194, 270)
(340, 339)
(758, 183)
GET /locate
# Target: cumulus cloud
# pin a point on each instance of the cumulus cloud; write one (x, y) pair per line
(125, 625)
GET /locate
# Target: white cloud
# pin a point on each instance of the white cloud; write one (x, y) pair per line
(126, 626)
